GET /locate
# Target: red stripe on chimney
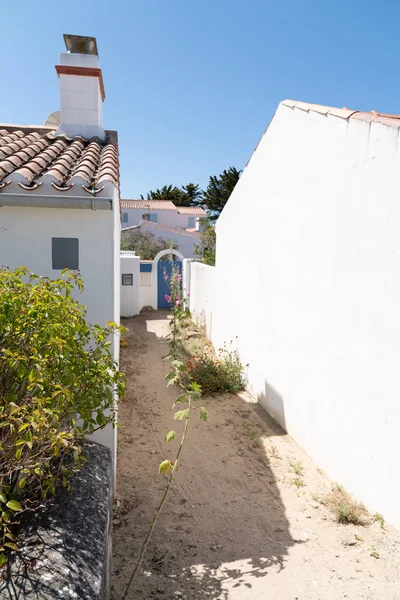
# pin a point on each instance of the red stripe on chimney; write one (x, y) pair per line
(85, 72)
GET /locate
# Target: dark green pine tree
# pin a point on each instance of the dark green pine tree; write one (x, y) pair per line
(188, 195)
(219, 189)
(194, 194)
(167, 192)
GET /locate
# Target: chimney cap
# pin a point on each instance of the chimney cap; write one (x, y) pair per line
(80, 44)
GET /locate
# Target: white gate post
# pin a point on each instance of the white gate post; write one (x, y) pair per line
(186, 275)
(130, 283)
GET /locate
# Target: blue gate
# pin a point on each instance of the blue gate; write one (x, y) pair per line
(163, 287)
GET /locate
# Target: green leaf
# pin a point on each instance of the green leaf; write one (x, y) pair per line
(172, 380)
(165, 467)
(18, 453)
(100, 420)
(14, 505)
(11, 545)
(22, 483)
(22, 427)
(178, 400)
(203, 414)
(182, 414)
(178, 364)
(3, 560)
(170, 436)
(3, 498)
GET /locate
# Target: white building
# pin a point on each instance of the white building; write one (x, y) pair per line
(59, 198)
(312, 289)
(163, 219)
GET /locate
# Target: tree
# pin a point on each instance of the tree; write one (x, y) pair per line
(168, 192)
(219, 189)
(193, 193)
(205, 251)
(188, 195)
(144, 243)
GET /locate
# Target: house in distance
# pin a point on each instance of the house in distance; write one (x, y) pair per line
(163, 219)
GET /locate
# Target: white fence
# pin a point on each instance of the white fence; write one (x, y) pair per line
(202, 295)
(139, 281)
(130, 284)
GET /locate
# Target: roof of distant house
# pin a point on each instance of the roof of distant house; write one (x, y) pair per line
(191, 210)
(31, 153)
(346, 113)
(151, 204)
(163, 205)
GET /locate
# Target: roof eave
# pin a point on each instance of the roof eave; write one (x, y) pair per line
(75, 202)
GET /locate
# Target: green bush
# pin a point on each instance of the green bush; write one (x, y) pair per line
(224, 373)
(57, 385)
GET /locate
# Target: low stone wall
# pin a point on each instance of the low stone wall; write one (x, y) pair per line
(65, 549)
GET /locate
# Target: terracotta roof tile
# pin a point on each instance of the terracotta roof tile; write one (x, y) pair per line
(191, 210)
(345, 113)
(148, 204)
(34, 152)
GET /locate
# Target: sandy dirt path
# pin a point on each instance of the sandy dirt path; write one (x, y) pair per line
(236, 526)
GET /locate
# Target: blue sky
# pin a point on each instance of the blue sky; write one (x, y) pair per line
(191, 85)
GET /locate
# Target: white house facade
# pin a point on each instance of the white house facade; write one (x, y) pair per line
(59, 193)
(161, 218)
(312, 289)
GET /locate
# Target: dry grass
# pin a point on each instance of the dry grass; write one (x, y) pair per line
(345, 508)
(274, 452)
(256, 438)
(193, 339)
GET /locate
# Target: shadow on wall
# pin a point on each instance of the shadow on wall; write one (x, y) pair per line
(273, 403)
(224, 526)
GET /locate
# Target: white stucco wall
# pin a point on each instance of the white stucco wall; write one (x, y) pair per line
(202, 295)
(26, 239)
(170, 218)
(186, 242)
(130, 303)
(312, 289)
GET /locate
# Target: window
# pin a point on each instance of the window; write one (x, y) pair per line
(125, 218)
(154, 217)
(191, 222)
(65, 253)
(146, 217)
(127, 278)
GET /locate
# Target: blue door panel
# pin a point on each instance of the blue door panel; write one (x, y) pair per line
(162, 285)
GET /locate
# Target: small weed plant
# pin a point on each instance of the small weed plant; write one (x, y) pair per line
(345, 508)
(298, 482)
(57, 385)
(297, 467)
(187, 401)
(379, 519)
(218, 374)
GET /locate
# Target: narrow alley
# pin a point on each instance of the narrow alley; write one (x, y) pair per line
(237, 525)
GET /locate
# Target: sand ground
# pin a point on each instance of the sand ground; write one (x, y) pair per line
(235, 526)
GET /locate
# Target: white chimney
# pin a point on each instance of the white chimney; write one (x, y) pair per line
(81, 88)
